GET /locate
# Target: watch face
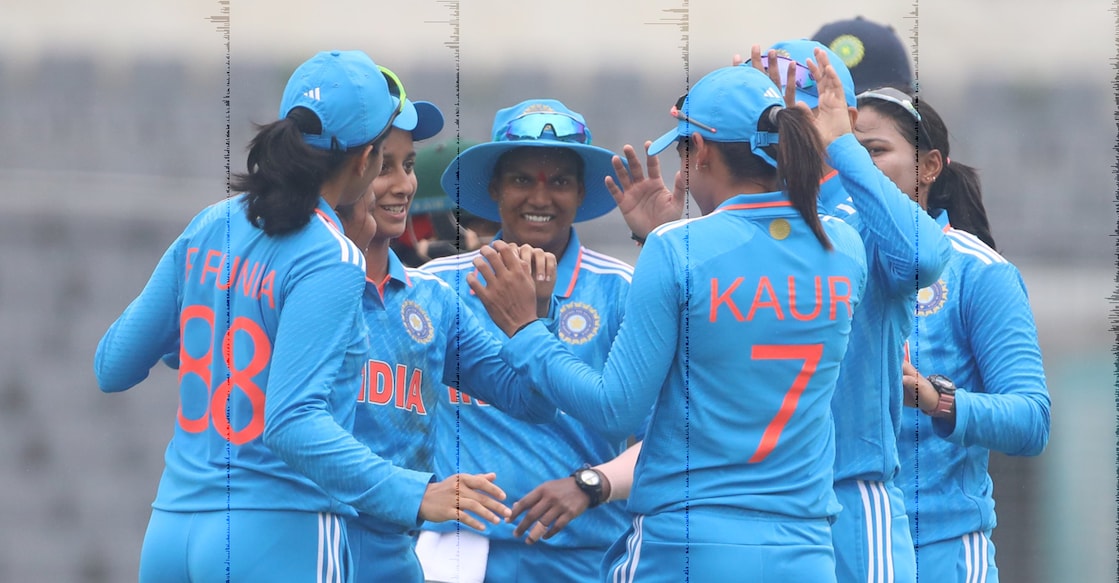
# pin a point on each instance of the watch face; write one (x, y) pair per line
(589, 477)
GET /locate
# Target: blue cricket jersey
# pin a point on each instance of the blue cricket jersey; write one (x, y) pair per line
(474, 437)
(905, 251)
(423, 339)
(270, 341)
(735, 328)
(975, 327)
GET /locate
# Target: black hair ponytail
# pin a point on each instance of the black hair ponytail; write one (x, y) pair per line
(799, 155)
(284, 174)
(957, 189)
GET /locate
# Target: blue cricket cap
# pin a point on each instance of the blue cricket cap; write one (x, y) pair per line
(535, 123)
(800, 51)
(731, 101)
(422, 118)
(349, 94)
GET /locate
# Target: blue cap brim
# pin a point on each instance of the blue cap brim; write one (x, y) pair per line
(422, 118)
(467, 179)
(662, 143)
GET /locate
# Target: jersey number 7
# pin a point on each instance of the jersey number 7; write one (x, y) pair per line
(810, 354)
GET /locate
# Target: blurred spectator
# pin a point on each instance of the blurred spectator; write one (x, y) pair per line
(872, 52)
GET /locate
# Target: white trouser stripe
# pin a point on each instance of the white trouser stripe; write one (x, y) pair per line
(318, 578)
(983, 558)
(868, 512)
(888, 516)
(969, 565)
(636, 549)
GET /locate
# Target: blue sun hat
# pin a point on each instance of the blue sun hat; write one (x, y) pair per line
(353, 97)
(725, 106)
(422, 118)
(535, 123)
(800, 51)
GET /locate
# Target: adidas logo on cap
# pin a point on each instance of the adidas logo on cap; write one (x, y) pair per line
(312, 94)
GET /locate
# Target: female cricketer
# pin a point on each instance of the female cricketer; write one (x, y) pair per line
(734, 331)
(422, 341)
(260, 299)
(975, 337)
(538, 176)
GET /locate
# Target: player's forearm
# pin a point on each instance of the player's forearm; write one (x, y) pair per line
(906, 238)
(317, 447)
(619, 472)
(146, 330)
(1015, 424)
(569, 383)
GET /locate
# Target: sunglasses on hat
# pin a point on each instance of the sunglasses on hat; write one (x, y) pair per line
(536, 125)
(899, 98)
(803, 79)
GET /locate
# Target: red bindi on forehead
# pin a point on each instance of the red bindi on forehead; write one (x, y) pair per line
(541, 177)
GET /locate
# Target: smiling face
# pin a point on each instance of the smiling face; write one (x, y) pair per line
(395, 185)
(538, 191)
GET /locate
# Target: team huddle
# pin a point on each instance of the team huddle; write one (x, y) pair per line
(802, 384)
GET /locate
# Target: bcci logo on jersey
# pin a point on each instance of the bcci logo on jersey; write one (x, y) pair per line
(578, 323)
(932, 298)
(416, 322)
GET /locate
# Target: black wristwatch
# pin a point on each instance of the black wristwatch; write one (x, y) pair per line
(589, 481)
(946, 393)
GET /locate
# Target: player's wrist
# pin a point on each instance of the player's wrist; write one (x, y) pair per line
(945, 404)
(593, 483)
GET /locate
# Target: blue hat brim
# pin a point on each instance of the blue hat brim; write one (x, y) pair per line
(422, 118)
(662, 143)
(468, 176)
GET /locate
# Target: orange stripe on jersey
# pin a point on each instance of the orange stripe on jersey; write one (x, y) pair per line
(327, 218)
(829, 176)
(574, 274)
(757, 205)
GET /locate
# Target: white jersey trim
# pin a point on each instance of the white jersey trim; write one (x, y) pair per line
(349, 251)
(969, 244)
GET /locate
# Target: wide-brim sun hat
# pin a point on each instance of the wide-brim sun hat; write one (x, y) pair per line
(354, 98)
(535, 123)
(725, 106)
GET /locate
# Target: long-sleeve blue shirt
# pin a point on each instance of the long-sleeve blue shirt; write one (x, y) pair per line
(472, 436)
(975, 327)
(270, 341)
(905, 250)
(735, 327)
(423, 341)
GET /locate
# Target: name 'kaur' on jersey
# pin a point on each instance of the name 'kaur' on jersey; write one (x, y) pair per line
(763, 295)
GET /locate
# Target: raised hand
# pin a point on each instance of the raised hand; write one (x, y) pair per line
(509, 293)
(644, 200)
(832, 117)
(452, 498)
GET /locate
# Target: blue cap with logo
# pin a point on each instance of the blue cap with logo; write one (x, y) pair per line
(800, 51)
(726, 106)
(873, 52)
(535, 123)
(350, 95)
